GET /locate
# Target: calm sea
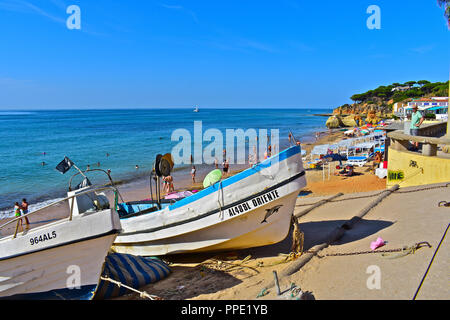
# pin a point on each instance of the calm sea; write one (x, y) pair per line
(114, 139)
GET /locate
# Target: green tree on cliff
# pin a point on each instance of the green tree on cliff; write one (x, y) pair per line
(422, 82)
(446, 5)
(410, 83)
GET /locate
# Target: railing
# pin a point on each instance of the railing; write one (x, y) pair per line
(400, 142)
(18, 219)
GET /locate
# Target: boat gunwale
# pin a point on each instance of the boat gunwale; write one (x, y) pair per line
(88, 190)
(104, 234)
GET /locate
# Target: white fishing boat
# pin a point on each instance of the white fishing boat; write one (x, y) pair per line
(62, 258)
(252, 208)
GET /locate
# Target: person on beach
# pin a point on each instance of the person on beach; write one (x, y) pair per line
(416, 121)
(24, 207)
(225, 166)
(250, 160)
(216, 163)
(170, 186)
(17, 213)
(166, 184)
(193, 170)
(268, 152)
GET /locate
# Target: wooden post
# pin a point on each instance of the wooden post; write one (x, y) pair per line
(17, 228)
(71, 208)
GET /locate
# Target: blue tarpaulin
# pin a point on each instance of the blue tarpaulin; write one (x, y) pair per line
(133, 271)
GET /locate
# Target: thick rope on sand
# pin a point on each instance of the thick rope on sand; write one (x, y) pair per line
(335, 235)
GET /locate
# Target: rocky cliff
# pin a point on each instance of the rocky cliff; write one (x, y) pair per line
(375, 105)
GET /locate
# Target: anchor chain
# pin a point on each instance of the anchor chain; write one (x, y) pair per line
(405, 250)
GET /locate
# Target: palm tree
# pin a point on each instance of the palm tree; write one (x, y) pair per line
(446, 5)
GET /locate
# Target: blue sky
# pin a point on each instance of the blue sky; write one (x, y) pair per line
(284, 53)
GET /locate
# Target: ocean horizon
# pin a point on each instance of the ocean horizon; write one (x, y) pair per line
(33, 142)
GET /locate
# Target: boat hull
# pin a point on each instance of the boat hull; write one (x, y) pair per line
(253, 208)
(245, 231)
(58, 258)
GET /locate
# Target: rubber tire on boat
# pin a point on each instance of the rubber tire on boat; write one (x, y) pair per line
(164, 167)
(158, 160)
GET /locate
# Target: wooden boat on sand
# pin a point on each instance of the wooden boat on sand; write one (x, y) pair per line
(252, 208)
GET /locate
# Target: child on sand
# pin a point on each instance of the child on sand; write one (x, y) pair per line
(170, 183)
(225, 168)
(193, 174)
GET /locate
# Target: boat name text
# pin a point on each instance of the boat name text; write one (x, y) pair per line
(253, 203)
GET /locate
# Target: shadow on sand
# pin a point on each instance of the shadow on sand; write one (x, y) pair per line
(190, 281)
(316, 232)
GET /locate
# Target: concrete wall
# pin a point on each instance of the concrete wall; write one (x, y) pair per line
(412, 169)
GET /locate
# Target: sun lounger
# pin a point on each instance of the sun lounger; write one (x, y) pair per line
(357, 161)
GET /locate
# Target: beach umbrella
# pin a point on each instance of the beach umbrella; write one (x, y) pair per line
(212, 177)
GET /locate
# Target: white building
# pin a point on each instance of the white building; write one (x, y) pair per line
(435, 105)
(400, 88)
